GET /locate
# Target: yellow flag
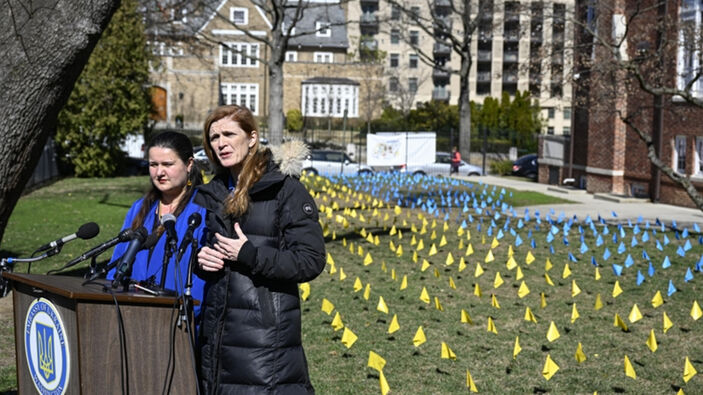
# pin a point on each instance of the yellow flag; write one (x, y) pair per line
(451, 283)
(616, 289)
(419, 337)
(552, 332)
(433, 235)
(465, 317)
(385, 388)
(518, 274)
(619, 322)
(462, 264)
(575, 290)
(548, 265)
(420, 245)
(404, 282)
(394, 324)
(548, 279)
(397, 210)
(494, 243)
(696, 312)
(376, 361)
(360, 250)
(399, 250)
(443, 241)
(327, 306)
(635, 314)
(483, 239)
(447, 352)
(469, 250)
(470, 382)
(433, 250)
(438, 305)
(597, 274)
(498, 280)
(468, 235)
(415, 256)
(579, 355)
(413, 241)
(383, 266)
(369, 238)
(667, 322)
(494, 301)
(523, 290)
(479, 270)
(550, 367)
(367, 291)
(425, 265)
(542, 300)
(516, 347)
(566, 272)
(424, 296)
(382, 305)
(342, 275)
(652, 341)
(330, 261)
(357, 285)
(449, 260)
(599, 303)
(529, 316)
(305, 288)
(529, 258)
(629, 370)
(688, 371)
(393, 275)
(574, 313)
(348, 338)
(337, 322)
(491, 327)
(657, 300)
(477, 290)
(510, 251)
(489, 257)
(511, 264)
(436, 272)
(393, 230)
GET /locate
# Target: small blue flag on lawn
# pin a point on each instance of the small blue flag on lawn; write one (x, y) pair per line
(566, 241)
(622, 231)
(617, 269)
(621, 248)
(464, 224)
(677, 235)
(636, 229)
(680, 251)
(666, 240)
(599, 241)
(640, 278)
(512, 232)
(606, 230)
(520, 224)
(645, 237)
(689, 275)
(584, 248)
(672, 288)
(696, 228)
(606, 254)
(550, 237)
(629, 261)
(645, 255)
(551, 249)
(572, 258)
(500, 234)
(650, 271)
(633, 242)
(659, 246)
(666, 262)
(518, 241)
(687, 245)
(533, 244)
(593, 261)
(684, 234)
(554, 230)
(699, 265)
(613, 214)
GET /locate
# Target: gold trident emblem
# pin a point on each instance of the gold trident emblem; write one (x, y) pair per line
(45, 351)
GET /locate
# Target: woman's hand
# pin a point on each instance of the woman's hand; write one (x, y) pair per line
(210, 260)
(229, 248)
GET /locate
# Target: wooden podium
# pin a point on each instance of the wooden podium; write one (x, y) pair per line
(92, 336)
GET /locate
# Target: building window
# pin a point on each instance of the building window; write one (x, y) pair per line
(326, 100)
(415, 12)
(567, 130)
(291, 56)
(567, 113)
(550, 113)
(395, 36)
(412, 61)
(239, 55)
(699, 156)
(393, 84)
(239, 16)
(395, 13)
(246, 95)
(680, 154)
(550, 130)
(323, 29)
(394, 60)
(285, 31)
(412, 85)
(688, 65)
(323, 57)
(414, 37)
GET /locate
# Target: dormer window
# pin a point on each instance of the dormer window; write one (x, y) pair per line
(239, 16)
(323, 29)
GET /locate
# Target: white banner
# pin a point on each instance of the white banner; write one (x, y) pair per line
(398, 148)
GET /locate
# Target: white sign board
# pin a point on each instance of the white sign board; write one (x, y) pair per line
(400, 148)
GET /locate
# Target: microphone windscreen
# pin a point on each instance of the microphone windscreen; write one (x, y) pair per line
(168, 218)
(195, 219)
(88, 231)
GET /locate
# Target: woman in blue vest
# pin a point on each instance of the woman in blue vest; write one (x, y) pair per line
(174, 178)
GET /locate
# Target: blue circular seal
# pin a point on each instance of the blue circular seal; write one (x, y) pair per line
(46, 348)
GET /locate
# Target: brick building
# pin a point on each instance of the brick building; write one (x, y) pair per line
(608, 155)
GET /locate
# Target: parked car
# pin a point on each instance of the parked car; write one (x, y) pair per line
(328, 162)
(526, 166)
(201, 159)
(442, 167)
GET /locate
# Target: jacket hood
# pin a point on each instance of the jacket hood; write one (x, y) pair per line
(289, 157)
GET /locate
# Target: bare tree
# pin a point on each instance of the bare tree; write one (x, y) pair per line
(45, 46)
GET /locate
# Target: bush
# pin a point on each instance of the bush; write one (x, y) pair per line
(294, 120)
(502, 167)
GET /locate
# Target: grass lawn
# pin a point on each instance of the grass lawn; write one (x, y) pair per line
(371, 240)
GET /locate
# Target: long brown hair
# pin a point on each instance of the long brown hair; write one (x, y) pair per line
(254, 165)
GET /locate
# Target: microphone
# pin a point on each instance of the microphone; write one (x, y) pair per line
(168, 221)
(193, 222)
(127, 259)
(85, 232)
(125, 235)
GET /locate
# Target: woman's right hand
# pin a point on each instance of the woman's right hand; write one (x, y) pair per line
(210, 259)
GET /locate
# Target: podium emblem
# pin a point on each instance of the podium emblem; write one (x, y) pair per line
(46, 348)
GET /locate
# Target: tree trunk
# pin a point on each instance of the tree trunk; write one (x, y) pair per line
(465, 108)
(44, 47)
(275, 117)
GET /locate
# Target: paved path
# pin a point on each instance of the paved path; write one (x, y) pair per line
(587, 204)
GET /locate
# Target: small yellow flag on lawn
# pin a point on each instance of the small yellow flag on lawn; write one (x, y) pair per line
(419, 337)
(529, 258)
(575, 290)
(367, 291)
(548, 279)
(542, 300)
(518, 274)
(382, 305)
(516, 347)
(348, 338)
(616, 289)
(433, 250)
(574, 313)
(566, 272)
(399, 250)
(357, 285)
(342, 275)
(491, 327)
(394, 326)
(548, 265)
(667, 322)
(385, 388)
(688, 371)
(451, 283)
(489, 257)
(462, 264)
(553, 332)
(498, 280)
(376, 361)
(305, 287)
(696, 312)
(635, 314)
(494, 301)
(599, 303)
(529, 316)
(629, 370)
(327, 306)
(477, 290)
(597, 274)
(494, 243)
(337, 322)
(479, 270)
(438, 305)
(465, 317)
(447, 352)
(404, 282)
(425, 265)
(523, 290)
(579, 355)
(511, 264)
(652, 341)
(449, 260)
(619, 322)
(424, 296)
(443, 241)
(470, 382)
(420, 245)
(469, 250)
(550, 367)
(657, 300)
(510, 251)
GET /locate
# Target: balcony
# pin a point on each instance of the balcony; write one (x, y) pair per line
(369, 45)
(440, 93)
(368, 23)
(510, 56)
(483, 76)
(442, 25)
(441, 50)
(440, 76)
(484, 56)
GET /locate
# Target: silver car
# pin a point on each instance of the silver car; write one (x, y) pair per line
(442, 167)
(331, 163)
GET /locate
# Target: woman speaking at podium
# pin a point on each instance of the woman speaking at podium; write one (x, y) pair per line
(264, 239)
(174, 178)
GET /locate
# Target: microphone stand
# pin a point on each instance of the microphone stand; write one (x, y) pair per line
(171, 246)
(187, 305)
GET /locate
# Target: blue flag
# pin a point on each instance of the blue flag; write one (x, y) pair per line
(687, 245)
(645, 237)
(584, 248)
(689, 275)
(617, 269)
(640, 278)
(680, 251)
(629, 261)
(634, 241)
(650, 270)
(599, 241)
(572, 258)
(606, 254)
(672, 289)
(621, 248)
(666, 263)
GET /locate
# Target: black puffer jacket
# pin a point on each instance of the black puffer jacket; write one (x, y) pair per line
(250, 332)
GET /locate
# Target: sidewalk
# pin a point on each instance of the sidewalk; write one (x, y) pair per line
(585, 204)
